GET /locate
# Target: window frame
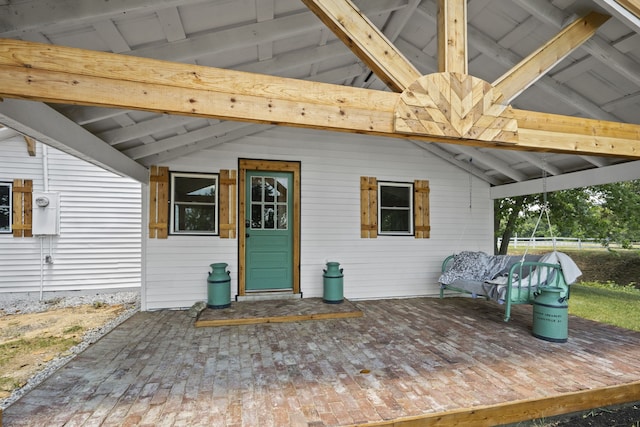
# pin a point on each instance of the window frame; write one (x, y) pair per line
(9, 185)
(172, 203)
(410, 210)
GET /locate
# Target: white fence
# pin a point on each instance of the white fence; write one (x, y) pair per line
(562, 242)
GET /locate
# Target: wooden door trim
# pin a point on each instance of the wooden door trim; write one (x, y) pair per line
(245, 165)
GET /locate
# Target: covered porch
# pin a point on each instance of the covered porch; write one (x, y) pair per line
(405, 361)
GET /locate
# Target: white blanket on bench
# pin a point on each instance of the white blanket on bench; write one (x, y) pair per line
(570, 270)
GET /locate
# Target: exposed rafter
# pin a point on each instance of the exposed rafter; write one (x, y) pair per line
(139, 130)
(178, 141)
(462, 164)
(171, 24)
(492, 162)
(366, 41)
(26, 17)
(198, 44)
(250, 35)
(604, 175)
(31, 145)
(627, 11)
(596, 46)
(452, 19)
(240, 132)
(632, 6)
(538, 63)
(392, 30)
(66, 75)
(452, 36)
(510, 59)
(538, 162)
(42, 123)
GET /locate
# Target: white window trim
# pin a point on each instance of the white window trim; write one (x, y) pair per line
(408, 185)
(172, 228)
(10, 186)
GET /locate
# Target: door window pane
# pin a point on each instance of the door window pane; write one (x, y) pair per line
(269, 189)
(283, 190)
(282, 217)
(269, 217)
(256, 216)
(269, 203)
(256, 188)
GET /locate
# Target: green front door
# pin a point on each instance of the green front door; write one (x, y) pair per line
(269, 231)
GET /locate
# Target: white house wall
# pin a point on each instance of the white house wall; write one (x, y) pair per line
(99, 245)
(331, 167)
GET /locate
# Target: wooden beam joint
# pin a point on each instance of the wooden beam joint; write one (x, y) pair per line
(453, 105)
(31, 145)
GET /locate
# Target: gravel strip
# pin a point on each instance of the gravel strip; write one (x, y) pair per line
(13, 305)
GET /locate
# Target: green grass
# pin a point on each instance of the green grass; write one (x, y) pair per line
(12, 349)
(8, 384)
(606, 303)
(73, 329)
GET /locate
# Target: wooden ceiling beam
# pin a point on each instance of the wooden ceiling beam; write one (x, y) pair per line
(596, 46)
(632, 6)
(31, 145)
(75, 76)
(42, 123)
(625, 15)
(236, 96)
(510, 59)
(452, 36)
(538, 63)
(367, 42)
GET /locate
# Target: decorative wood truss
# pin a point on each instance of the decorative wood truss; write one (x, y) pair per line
(449, 106)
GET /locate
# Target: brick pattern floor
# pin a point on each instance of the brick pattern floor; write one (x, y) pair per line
(247, 312)
(403, 358)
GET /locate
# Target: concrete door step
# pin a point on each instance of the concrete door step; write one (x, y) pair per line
(263, 296)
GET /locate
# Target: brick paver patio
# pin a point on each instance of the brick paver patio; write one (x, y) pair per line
(402, 358)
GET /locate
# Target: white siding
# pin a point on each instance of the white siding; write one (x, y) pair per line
(99, 246)
(331, 166)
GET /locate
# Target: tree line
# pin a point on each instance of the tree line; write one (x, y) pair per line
(608, 212)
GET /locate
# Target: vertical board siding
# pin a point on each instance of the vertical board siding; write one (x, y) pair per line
(331, 167)
(99, 246)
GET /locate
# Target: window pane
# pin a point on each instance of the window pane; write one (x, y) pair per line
(5, 207)
(195, 217)
(256, 189)
(269, 190)
(256, 216)
(282, 190)
(5, 194)
(393, 196)
(194, 203)
(269, 217)
(202, 190)
(4, 219)
(282, 217)
(395, 210)
(394, 220)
